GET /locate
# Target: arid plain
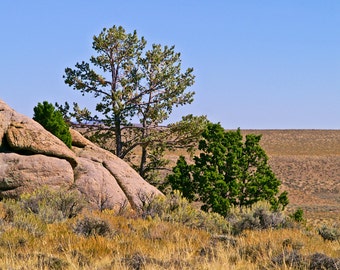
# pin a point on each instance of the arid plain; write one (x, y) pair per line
(308, 164)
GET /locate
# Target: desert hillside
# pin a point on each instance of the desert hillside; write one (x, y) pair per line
(308, 163)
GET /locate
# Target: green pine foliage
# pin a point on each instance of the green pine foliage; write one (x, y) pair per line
(53, 121)
(229, 171)
(131, 81)
(297, 216)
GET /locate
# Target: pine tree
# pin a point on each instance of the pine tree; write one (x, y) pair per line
(52, 120)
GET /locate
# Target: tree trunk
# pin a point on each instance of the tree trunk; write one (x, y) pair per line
(143, 162)
(118, 135)
(144, 149)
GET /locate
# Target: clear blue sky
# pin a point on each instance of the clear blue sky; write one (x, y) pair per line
(259, 64)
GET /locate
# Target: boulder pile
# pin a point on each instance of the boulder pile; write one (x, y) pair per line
(32, 157)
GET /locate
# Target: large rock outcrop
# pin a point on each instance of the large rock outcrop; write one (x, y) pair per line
(31, 157)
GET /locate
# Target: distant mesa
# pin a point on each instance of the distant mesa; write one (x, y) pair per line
(31, 157)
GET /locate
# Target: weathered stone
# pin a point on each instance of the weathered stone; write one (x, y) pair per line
(133, 185)
(28, 136)
(31, 157)
(99, 186)
(19, 173)
(5, 119)
(78, 139)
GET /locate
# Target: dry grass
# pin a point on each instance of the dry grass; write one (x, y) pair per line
(135, 243)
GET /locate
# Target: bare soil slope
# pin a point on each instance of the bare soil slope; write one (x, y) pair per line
(308, 163)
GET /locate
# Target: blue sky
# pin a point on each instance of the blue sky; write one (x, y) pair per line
(259, 64)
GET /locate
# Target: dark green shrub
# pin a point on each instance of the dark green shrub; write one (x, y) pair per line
(53, 121)
(297, 216)
(230, 171)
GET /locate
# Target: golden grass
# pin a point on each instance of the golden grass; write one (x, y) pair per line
(135, 243)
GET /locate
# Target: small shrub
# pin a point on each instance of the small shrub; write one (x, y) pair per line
(226, 239)
(260, 218)
(80, 258)
(14, 239)
(91, 227)
(175, 208)
(289, 243)
(53, 205)
(19, 218)
(297, 216)
(321, 261)
(291, 259)
(247, 222)
(329, 233)
(31, 224)
(269, 219)
(213, 223)
(208, 252)
(9, 214)
(252, 253)
(135, 261)
(151, 206)
(50, 262)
